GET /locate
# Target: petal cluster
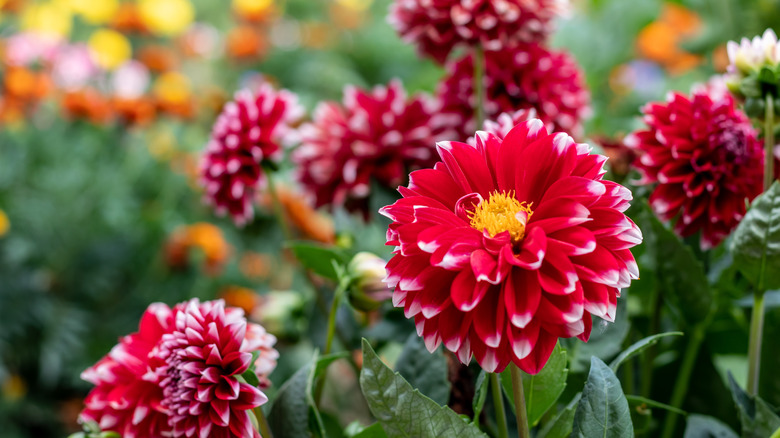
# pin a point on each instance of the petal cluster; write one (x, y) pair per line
(376, 135)
(750, 55)
(250, 131)
(179, 374)
(703, 156)
(524, 76)
(439, 26)
(504, 247)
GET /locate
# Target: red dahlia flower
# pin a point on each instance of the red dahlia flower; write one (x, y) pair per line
(705, 158)
(438, 26)
(204, 356)
(523, 76)
(377, 135)
(247, 133)
(127, 398)
(504, 247)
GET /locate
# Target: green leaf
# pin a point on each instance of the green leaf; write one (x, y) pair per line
(542, 390)
(480, 395)
(294, 409)
(757, 417)
(373, 431)
(603, 410)
(639, 347)
(423, 370)
(638, 400)
(319, 258)
(402, 410)
(561, 426)
(756, 242)
(704, 426)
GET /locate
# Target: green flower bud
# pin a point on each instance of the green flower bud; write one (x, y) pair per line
(367, 291)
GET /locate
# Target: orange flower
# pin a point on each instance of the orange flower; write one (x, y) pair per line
(26, 84)
(138, 111)
(303, 217)
(660, 40)
(255, 266)
(87, 104)
(245, 42)
(11, 110)
(241, 297)
(255, 11)
(203, 236)
(128, 19)
(173, 95)
(158, 59)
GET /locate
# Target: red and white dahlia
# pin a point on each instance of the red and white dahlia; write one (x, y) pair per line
(204, 356)
(249, 131)
(522, 76)
(127, 398)
(438, 26)
(705, 159)
(506, 246)
(376, 135)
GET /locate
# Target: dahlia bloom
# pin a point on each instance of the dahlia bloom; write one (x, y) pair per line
(504, 123)
(704, 157)
(438, 26)
(506, 246)
(247, 133)
(524, 76)
(379, 134)
(178, 375)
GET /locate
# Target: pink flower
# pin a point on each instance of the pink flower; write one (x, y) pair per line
(705, 161)
(439, 26)
(524, 76)
(376, 135)
(249, 132)
(74, 67)
(505, 247)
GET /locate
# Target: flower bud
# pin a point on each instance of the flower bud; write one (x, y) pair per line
(368, 290)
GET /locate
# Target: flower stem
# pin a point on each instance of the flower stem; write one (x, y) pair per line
(479, 92)
(684, 376)
(769, 142)
(262, 422)
(520, 409)
(498, 404)
(754, 346)
(277, 204)
(334, 308)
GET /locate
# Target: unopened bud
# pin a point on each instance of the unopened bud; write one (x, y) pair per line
(368, 291)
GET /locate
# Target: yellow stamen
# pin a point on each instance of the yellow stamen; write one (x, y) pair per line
(502, 212)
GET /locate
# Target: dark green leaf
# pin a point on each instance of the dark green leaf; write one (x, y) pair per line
(757, 417)
(561, 426)
(756, 242)
(318, 258)
(703, 426)
(373, 431)
(542, 390)
(603, 410)
(423, 370)
(638, 347)
(480, 394)
(402, 410)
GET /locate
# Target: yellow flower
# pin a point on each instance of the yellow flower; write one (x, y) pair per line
(166, 17)
(355, 5)
(95, 12)
(172, 87)
(111, 48)
(5, 224)
(251, 7)
(51, 19)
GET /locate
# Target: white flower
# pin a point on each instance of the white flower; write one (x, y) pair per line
(749, 56)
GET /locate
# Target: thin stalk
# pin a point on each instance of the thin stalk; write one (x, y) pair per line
(498, 404)
(684, 377)
(754, 346)
(262, 423)
(334, 307)
(769, 142)
(277, 204)
(479, 91)
(520, 409)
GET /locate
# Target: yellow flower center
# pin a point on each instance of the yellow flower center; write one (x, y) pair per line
(502, 212)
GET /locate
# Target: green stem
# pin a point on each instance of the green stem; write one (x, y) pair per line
(650, 354)
(479, 92)
(277, 204)
(498, 405)
(684, 377)
(334, 308)
(769, 142)
(262, 423)
(754, 347)
(520, 409)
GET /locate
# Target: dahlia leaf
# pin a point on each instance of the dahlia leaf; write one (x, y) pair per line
(373, 431)
(757, 416)
(639, 347)
(318, 258)
(756, 242)
(561, 426)
(603, 409)
(402, 410)
(480, 395)
(541, 390)
(704, 426)
(423, 370)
